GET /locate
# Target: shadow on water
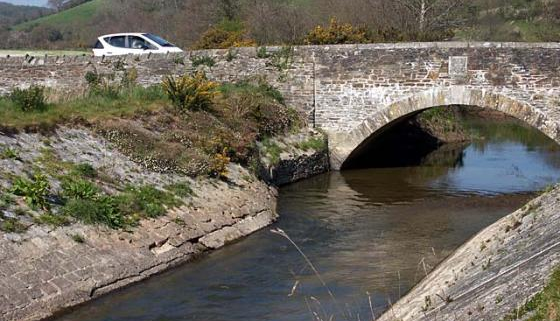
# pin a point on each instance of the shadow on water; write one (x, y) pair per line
(374, 231)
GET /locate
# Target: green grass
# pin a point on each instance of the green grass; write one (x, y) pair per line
(51, 219)
(316, 143)
(91, 107)
(181, 189)
(537, 31)
(8, 153)
(514, 30)
(88, 204)
(147, 201)
(84, 170)
(272, 151)
(12, 225)
(257, 87)
(79, 15)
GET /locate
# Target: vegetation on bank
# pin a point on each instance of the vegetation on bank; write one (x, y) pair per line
(82, 196)
(187, 125)
(443, 123)
(544, 306)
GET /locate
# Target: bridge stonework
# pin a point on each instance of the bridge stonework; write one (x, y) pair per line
(352, 91)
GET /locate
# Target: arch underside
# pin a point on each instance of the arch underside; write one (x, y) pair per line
(344, 145)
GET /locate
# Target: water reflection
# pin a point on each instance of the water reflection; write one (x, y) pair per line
(374, 231)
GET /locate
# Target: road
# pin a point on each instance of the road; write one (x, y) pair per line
(18, 53)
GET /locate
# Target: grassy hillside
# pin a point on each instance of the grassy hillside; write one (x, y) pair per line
(514, 20)
(13, 14)
(287, 22)
(81, 14)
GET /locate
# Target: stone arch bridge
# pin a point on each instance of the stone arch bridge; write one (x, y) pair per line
(353, 92)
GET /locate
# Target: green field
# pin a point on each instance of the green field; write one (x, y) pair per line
(79, 15)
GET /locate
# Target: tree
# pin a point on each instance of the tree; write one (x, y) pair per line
(229, 8)
(434, 15)
(57, 4)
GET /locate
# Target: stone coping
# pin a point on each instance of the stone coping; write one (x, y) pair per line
(58, 59)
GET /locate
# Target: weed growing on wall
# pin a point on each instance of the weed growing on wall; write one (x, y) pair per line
(34, 191)
(202, 61)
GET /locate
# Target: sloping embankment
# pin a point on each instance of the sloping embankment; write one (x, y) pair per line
(45, 269)
(495, 272)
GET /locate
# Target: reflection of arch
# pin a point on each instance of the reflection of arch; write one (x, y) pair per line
(345, 145)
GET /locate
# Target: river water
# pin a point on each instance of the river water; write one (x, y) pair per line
(371, 233)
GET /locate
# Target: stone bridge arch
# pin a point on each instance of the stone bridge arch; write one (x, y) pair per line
(346, 145)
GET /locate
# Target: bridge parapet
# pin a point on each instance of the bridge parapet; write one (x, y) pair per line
(343, 88)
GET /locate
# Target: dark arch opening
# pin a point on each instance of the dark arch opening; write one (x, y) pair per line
(407, 141)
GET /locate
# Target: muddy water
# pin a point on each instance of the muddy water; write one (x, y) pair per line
(372, 231)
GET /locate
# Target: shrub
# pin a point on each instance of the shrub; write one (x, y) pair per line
(231, 55)
(190, 92)
(219, 165)
(262, 53)
(255, 109)
(8, 153)
(282, 59)
(85, 170)
(337, 33)
(80, 189)
(31, 99)
(272, 119)
(103, 85)
(130, 78)
(34, 191)
(225, 35)
(92, 78)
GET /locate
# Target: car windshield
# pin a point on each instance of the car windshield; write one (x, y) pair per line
(160, 41)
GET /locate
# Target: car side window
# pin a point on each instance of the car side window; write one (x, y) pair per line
(135, 42)
(117, 41)
(98, 45)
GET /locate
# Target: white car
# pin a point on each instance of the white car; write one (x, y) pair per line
(132, 43)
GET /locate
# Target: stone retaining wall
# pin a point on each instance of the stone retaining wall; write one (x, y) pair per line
(494, 273)
(295, 162)
(44, 269)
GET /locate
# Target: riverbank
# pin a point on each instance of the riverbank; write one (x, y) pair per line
(48, 268)
(109, 186)
(294, 157)
(496, 274)
(48, 265)
(376, 230)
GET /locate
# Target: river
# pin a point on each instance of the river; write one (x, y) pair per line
(371, 233)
